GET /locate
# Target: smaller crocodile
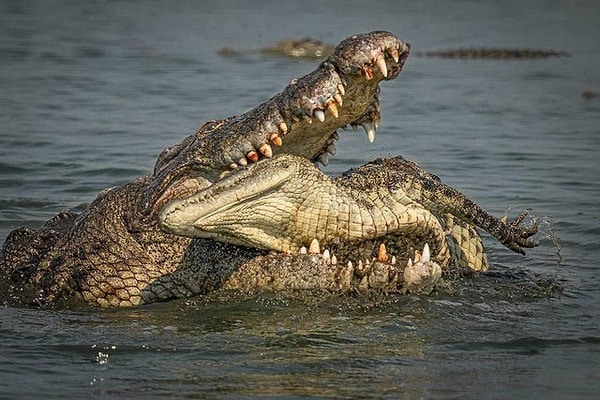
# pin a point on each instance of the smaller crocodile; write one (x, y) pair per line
(309, 48)
(282, 203)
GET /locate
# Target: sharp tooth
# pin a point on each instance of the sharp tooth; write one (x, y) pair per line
(243, 161)
(425, 257)
(307, 119)
(275, 139)
(409, 263)
(395, 55)
(266, 150)
(326, 256)
(333, 260)
(335, 136)
(504, 219)
(320, 115)
(382, 254)
(324, 159)
(252, 156)
(380, 61)
(370, 129)
(233, 165)
(341, 89)
(331, 149)
(417, 256)
(302, 250)
(314, 247)
(393, 260)
(338, 99)
(350, 266)
(283, 127)
(333, 110)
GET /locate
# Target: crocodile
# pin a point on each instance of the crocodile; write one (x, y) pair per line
(115, 253)
(309, 48)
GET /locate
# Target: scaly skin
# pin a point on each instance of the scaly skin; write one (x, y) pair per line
(114, 254)
(283, 203)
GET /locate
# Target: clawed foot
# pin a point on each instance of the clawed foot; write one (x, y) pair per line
(515, 236)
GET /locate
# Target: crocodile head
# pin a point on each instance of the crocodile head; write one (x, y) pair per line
(285, 202)
(301, 120)
(255, 207)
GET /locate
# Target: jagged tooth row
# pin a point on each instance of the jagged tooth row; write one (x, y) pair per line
(317, 108)
(369, 120)
(318, 111)
(263, 149)
(362, 268)
(330, 148)
(320, 106)
(378, 61)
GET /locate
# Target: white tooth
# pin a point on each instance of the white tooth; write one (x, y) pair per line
(381, 64)
(320, 115)
(243, 162)
(350, 264)
(333, 260)
(324, 159)
(393, 260)
(370, 129)
(326, 256)
(331, 149)
(409, 263)
(303, 250)
(314, 247)
(425, 256)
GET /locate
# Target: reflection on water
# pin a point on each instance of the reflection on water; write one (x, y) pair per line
(91, 92)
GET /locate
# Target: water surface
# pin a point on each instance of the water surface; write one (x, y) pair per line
(91, 92)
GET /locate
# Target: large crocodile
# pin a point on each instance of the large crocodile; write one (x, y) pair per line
(114, 254)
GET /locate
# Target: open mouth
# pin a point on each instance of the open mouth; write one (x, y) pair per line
(302, 119)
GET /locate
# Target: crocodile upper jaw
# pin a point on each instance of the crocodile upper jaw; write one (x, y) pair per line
(301, 120)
